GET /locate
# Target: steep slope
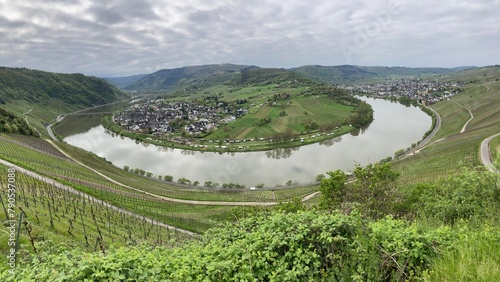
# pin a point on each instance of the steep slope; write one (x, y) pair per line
(191, 76)
(265, 76)
(39, 86)
(10, 123)
(38, 97)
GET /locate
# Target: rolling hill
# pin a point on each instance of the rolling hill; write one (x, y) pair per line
(197, 77)
(348, 74)
(191, 76)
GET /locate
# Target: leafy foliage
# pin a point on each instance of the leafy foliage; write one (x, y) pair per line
(9, 123)
(363, 115)
(470, 195)
(333, 189)
(373, 190)
(302, 246)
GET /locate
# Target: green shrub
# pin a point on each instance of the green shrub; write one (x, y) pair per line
(292, 246)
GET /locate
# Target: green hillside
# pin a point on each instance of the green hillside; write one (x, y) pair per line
(266, 108)
(348, 74)
(429, 216)
(39, 96)
(37, 86)
(10, 123)
(191, 77)
(451, 148)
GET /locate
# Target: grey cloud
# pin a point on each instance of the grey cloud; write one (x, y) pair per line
(122, 37)
(106, 16)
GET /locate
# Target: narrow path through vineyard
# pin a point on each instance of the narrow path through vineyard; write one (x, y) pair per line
(90, 198)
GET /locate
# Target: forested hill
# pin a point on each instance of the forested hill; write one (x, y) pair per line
(39, 87)
(348, 74)
(10, 123)
(266, 76)
(197, 76)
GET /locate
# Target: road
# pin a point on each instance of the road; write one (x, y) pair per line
(90, 198)
(485, 152)
(471, 117)
(49, 127)
(435, 130)
(426, 140)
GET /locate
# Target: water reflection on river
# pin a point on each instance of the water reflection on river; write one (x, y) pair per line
(395, 127)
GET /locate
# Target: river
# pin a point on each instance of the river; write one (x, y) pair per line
(394, 127)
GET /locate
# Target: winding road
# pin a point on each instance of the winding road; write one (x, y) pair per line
(423, 143)
(484, 152)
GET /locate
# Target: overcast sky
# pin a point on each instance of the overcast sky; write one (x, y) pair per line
(125, 37)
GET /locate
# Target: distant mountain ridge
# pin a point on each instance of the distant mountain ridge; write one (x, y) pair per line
(350, 74)
(190, 77)
(123, 81)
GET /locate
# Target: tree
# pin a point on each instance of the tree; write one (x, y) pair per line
(168, 178)
(375, 188)
(7, 128)
(126, 168)
(333, 190)
(320, 177)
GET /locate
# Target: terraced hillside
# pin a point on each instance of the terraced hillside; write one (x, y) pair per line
(457, 143)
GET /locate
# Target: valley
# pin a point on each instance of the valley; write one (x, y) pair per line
(113, 210)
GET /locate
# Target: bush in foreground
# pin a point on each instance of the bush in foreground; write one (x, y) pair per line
(278, 247)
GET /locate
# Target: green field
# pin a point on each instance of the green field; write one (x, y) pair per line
(298, 111)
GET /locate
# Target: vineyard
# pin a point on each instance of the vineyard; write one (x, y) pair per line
(49, 213)
(64, 197)
(40, 156)
(156, 199)
(453, 149)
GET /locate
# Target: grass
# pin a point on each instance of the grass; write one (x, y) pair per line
(495, 148)
(473, 258)
(321, 110)
(300, 110)
(38, 114)
(455, 149)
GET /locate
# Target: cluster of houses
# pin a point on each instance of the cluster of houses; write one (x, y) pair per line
(159, 117)
(426, 92)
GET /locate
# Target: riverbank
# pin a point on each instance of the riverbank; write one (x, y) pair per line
(223, 146)
(394, 127)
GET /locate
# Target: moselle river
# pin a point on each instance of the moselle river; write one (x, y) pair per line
(394, 127)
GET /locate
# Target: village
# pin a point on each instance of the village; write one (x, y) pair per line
(422, 91)
(158, 117)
